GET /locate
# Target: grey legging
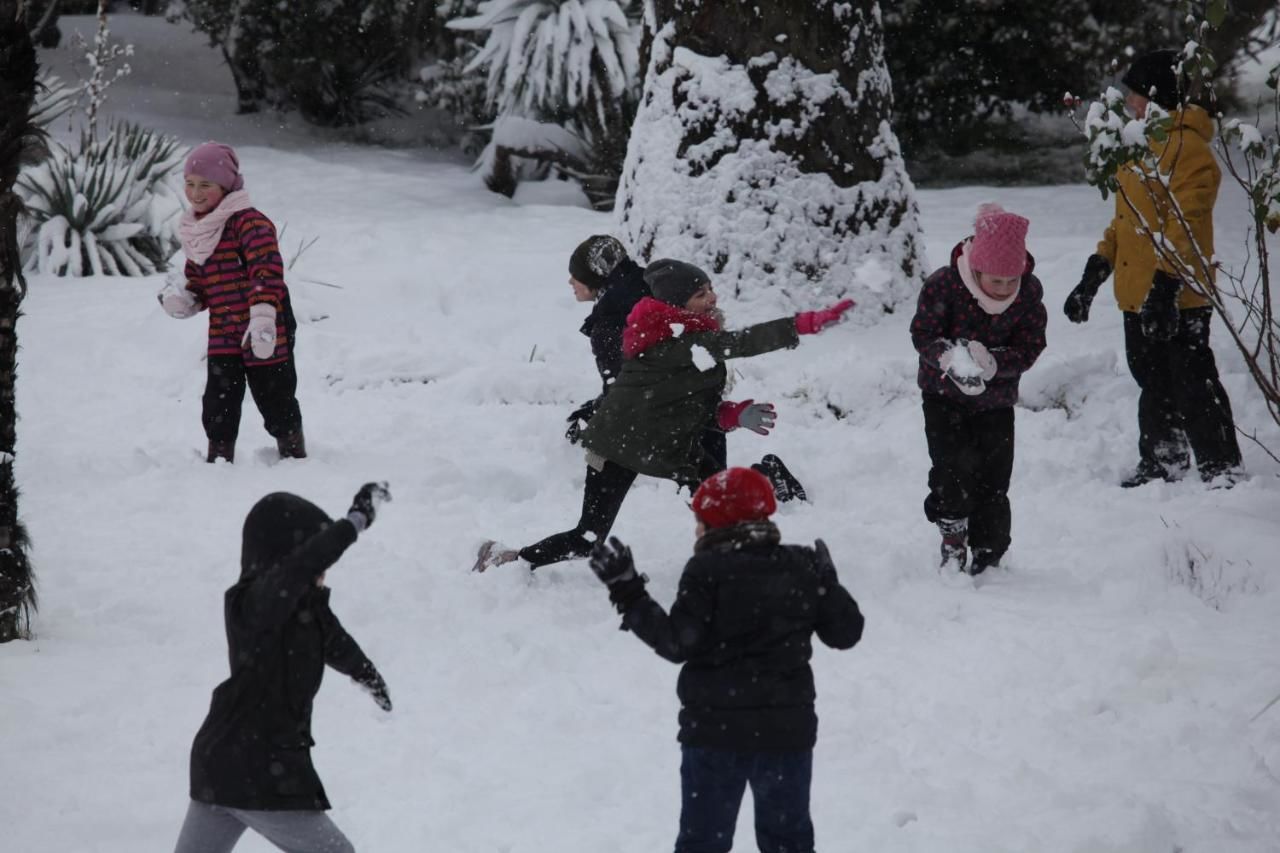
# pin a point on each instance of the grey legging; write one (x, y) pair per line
(216, 829)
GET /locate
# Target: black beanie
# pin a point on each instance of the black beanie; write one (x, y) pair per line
(275, 527)
(595, 258)
(674, 282)
(1152, 76)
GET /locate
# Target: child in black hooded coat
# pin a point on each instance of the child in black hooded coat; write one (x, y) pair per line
(251, 760)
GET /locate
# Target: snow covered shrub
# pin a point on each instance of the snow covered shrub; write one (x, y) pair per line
(573, 63)
(766, 156)
(108, 208)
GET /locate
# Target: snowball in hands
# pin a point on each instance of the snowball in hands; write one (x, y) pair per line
(960, 366)
(175, 299)
(261, 334)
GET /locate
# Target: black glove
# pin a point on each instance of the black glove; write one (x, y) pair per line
(580, 417)
(364, 506)
(377, 688)
(1159, 312)
(1096, 270)
(825, 568)
(612, 563)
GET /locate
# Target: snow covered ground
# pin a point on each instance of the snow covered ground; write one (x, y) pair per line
(1094, 696)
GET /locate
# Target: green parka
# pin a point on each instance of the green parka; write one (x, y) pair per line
(672, 377)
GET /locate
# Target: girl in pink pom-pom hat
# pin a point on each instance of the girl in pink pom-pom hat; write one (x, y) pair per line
(979, 325)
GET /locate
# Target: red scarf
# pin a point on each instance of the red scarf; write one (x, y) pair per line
(652, 321)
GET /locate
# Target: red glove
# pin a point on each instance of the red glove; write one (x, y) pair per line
(812, 322)
(757, 417)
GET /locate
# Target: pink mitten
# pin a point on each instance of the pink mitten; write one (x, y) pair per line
(812, 322)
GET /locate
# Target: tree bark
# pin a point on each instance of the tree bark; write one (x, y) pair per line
(17, 91)
(763, 151)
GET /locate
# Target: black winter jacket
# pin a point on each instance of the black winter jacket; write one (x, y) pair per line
(623, 288)
(742, 626)
(254, 749)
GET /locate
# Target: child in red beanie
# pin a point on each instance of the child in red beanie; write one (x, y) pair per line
(234, 269)
(742, 625)
(978, 326)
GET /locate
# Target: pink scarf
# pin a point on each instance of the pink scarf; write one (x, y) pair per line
(200, 236)
(991, 306)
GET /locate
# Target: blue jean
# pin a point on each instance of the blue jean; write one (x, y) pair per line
(712, 783)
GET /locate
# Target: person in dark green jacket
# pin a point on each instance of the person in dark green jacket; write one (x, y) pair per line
(669, 389)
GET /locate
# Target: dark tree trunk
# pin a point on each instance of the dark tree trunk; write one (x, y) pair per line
(763, 151)
(17, 91)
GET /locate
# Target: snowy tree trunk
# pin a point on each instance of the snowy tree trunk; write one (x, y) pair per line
(17, 91)
(763, 152)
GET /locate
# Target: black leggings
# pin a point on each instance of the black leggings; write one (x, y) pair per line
(602, 498)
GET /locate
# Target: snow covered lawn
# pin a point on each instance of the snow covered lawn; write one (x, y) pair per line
(1093, 697)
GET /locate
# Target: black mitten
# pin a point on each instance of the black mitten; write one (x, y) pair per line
(1159, 312)
(613, 565)
(579, 418)
(372, 682)
(825, 568)
(364, 506)
(1096, 270)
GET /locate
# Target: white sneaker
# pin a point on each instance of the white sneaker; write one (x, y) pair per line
(492, 554)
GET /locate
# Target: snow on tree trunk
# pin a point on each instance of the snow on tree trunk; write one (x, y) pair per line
(763, 152)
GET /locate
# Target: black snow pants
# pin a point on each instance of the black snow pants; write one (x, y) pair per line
(274, 389)
(1182, 404)
(972, 456)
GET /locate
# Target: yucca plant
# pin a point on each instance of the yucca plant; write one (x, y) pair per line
(108, 208)
(54, 99)
(571, 63)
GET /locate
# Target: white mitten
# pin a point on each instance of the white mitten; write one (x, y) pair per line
(984, 359)
(959, 365)
(175, 299)
(261, 334)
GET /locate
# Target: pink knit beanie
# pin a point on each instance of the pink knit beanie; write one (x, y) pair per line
(215, 162)
(999, 242)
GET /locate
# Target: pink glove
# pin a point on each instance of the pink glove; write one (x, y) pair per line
(812, 322)
(757, 417)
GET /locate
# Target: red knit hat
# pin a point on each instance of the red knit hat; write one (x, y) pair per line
(734, 496)
(999, 242)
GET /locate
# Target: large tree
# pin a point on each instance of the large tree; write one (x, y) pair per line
(17, 134)
(763, 151)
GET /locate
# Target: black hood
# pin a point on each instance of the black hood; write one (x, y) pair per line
(624, 287)
(275, 527)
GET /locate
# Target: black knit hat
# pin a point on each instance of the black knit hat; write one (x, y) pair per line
(674, 282)
(1152, 75)
(595, 258)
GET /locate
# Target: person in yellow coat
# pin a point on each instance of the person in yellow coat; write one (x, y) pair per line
(1182, 406)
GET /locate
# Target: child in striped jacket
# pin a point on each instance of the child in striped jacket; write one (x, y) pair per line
(234, 270)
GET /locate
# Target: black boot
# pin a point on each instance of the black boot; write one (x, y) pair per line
(785, 485)
(1146, 472)
(983, 559)
(221, 450)
(293, 445)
